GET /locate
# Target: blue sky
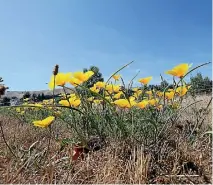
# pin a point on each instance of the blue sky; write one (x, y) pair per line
(157, 34)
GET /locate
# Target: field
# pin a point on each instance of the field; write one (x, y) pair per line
(145, 137)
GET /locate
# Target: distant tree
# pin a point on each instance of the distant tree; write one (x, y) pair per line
(3, 88)
(200, 84)
(207, 84)
(34, 96)
(163, 84)
(26, 95)
(39, 97)
(6, 101)
(42, 96)
(95, 78)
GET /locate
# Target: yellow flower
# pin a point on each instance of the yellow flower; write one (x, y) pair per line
(71, 95)
(45, 122)
(22, 112)
(50, 101)
(160, 94)
(159, 107)
(38, 105)
(26, 99)
(94, 89)
(75, 102)
(45, 101)
(135, 89)
(90, 99)
(137, 93)
(149, 92)
(60, 79)
(131, 98)
(18, 109)
(116, 77)
(82, 77)
(113, 88)
(97, 101)
(142, 104)
(100, 84)
(145, 80)
(153, 102)
(107, 97)
(179, 70)
(169, 95)
(118, 95)
(124, 103)
(182, 90)
(74, 81)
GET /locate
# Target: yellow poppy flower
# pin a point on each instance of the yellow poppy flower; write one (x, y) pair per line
(145, 80)
(182, 90)
(22, 112)
(45, 122)
(90, 99)
(153, 102)
(116, 77)
(149, 92)
(135, 89)
(38, 105)
(75, 102)
(18, 109)
(94, 89)
(107, 97)
(142, 104)
(100, 84)
(82, 77)
(118, 95)
(169, 95)
(131, 98)
(137, 93)
(159, 107)
(113, 88)
(179, 70)
(124, 103)
(74, 81)
(60, 79)
(160, 94)
(71, 95)
(97, 101)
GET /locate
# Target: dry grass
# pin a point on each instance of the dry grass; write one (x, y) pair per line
(171, 160)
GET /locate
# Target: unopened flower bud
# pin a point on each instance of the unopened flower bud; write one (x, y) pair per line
(55, 71)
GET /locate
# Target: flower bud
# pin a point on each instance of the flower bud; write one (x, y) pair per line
(55, 71)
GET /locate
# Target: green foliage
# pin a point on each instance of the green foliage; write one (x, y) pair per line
(6, 101)
(26, 95)
(95, 78)
(34, 96)
(200, 84)
(164, 84)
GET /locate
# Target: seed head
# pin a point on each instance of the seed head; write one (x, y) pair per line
(55, 71)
